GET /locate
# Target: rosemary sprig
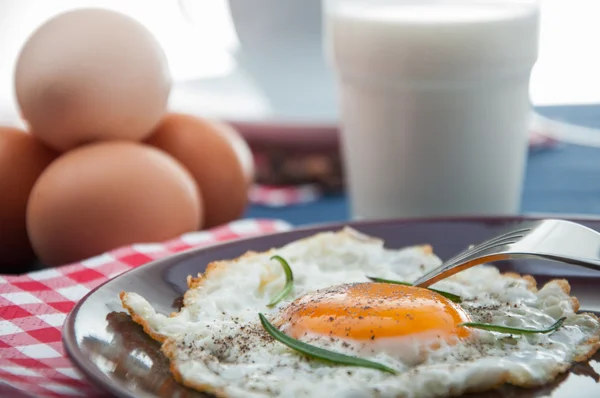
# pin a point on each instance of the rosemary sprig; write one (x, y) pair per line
(319, 353)
(449, 296)
(511, 330)
(289, 281)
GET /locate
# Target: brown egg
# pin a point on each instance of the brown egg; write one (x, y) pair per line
(102, 196)
(22, 160)
(217, 157)
(89, 75)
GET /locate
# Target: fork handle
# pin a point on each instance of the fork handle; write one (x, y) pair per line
(444, 272)
(590, 263)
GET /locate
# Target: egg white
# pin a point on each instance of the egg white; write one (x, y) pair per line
(216, 343)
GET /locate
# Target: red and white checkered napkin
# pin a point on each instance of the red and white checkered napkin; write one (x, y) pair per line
(34, 306)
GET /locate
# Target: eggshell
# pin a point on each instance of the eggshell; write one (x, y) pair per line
(89, 75)
(22, 160)
(217, 157)
(102, 196)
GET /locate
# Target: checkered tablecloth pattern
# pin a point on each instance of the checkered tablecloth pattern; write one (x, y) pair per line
(282, 196)
(34, 306)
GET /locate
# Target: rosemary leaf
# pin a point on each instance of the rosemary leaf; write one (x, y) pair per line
(289, 281)
(319, 353)
(511, 330)
(449, 296)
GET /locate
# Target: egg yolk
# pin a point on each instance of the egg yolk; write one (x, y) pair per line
(369, 311)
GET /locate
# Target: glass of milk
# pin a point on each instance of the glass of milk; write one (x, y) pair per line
(435, 103)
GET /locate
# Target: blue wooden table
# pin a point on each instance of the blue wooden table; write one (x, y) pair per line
(565, 179)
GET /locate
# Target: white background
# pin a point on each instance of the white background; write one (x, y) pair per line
(568, 70)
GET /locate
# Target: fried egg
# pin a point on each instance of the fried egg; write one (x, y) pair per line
(217, 344)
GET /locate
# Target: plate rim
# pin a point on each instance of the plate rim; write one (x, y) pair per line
(99, 380)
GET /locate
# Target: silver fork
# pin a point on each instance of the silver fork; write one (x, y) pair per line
(556, 240)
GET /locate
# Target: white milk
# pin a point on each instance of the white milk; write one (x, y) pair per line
(435, 103)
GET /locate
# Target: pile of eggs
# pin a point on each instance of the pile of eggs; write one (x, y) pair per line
(103, 163)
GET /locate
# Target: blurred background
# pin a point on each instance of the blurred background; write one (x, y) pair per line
(202, 46)
(259, 65)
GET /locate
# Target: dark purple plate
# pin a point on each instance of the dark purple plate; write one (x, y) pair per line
(119, 358)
